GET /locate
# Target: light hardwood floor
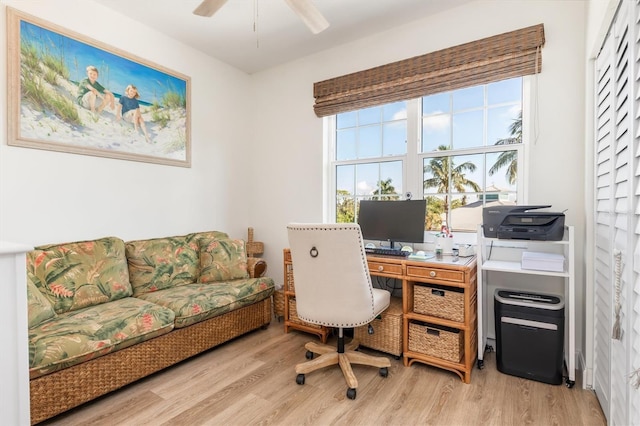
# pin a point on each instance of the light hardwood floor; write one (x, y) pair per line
(251, 381)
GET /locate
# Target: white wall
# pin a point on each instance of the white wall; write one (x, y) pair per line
(289, 136)
(48, 197)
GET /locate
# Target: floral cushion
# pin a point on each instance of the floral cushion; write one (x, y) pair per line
(211, 235)
(193, 303)
(160, 263)
(81, 335)
(222, 260)
(39, 308)
(80, 274)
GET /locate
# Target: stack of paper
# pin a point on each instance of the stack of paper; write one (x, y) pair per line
(543, 261)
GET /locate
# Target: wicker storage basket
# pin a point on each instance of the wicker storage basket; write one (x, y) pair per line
(278, 304)
(439, 301)
(437, 341)
(293, 315)
(387, 335)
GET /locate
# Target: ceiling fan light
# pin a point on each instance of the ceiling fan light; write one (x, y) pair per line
(208, 7)
(309, 14)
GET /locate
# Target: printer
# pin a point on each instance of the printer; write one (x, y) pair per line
(521, 223)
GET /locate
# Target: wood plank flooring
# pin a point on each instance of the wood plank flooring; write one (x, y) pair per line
(251, 381)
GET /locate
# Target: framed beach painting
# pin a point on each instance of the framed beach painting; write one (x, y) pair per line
(73, 94)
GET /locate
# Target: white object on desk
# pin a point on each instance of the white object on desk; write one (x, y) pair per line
(446, 243)
(420, 255)
(539, 261)
(466, 250)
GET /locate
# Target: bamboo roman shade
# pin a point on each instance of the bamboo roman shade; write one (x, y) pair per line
(513, 54)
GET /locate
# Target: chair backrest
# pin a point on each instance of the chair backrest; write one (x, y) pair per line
(330, 274)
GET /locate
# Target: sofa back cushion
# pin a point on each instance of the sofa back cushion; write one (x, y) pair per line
(209, 236)
(39, 307)
(160, 263)
(80, 274)
(222, 260)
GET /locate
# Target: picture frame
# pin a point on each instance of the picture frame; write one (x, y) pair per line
(70, 93)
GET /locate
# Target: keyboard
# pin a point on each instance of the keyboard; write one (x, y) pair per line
(387, 252)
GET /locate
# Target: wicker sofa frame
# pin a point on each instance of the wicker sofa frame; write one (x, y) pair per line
(57, 392)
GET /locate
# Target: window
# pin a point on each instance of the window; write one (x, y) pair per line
(460, 150)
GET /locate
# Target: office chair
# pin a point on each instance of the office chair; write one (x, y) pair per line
(333, 288)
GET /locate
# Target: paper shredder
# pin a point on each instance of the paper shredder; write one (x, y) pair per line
(530, 335)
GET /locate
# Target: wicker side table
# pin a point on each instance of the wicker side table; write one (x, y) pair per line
(257, 266)
(278, 304)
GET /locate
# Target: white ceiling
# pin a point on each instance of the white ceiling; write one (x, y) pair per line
(280, 35)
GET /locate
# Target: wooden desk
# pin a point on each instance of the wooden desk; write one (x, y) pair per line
(443, 276)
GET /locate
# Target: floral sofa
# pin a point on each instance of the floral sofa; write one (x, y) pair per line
(104, 313)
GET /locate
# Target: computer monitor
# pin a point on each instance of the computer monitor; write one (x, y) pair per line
(393, 221)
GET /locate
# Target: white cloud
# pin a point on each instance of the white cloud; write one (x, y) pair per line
(436, 122)
(400, 115)
(514, 111)
(364, 187)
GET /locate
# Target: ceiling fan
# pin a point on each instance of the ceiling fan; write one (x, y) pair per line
(309, 14)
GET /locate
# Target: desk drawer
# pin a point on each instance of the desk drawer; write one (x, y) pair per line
(435, 273)
(387, 268)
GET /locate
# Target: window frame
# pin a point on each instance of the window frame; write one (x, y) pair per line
(413, 159)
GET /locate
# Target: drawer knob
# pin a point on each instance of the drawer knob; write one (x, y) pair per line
(380, 268)
(432, 274)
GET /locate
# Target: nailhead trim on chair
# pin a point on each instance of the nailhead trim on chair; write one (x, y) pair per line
(363, 259)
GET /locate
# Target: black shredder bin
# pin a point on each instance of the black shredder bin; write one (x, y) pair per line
(530, 335)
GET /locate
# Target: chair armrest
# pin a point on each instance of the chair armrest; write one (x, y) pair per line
(257, 267)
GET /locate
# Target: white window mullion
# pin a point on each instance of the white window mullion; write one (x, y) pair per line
(413, 164)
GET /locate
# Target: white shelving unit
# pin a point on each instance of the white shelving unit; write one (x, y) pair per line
(499, 255)
(14, 358)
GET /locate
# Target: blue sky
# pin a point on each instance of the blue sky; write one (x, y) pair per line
(455, 118)
(115, 72)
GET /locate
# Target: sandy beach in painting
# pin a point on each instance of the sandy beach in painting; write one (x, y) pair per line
(104, 131)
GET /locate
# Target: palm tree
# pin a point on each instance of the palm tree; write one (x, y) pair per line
(447, 176)
(509, 158)
(385, 188)
(433, 216)
(345, 207)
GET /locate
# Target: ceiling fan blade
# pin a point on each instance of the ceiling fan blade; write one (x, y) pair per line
(209, 7)
(311, 16)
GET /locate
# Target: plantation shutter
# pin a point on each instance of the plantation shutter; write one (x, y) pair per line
(616, 186)
(634, 246)
(513, 54)
(620, 185)
(633, 255)
(602, 258)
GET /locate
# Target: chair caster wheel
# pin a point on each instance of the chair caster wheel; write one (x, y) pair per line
(309, 355)
(384, 371)
(351, 393)
(300, 379)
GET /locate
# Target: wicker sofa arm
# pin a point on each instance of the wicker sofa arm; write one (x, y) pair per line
(257, 267)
